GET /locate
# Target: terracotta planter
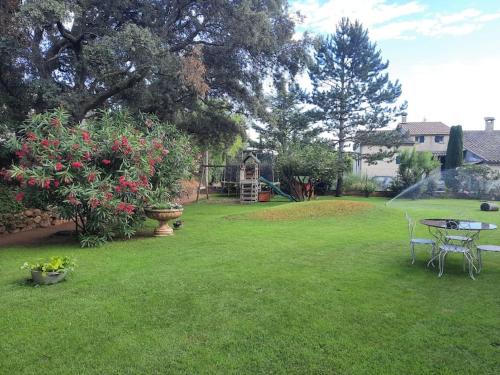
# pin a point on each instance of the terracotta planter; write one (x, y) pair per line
(41, 278)
(264, 196)
(163, 216)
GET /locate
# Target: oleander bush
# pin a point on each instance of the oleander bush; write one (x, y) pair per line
(102, 172)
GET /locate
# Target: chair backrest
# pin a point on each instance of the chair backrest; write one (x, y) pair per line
(411, 225)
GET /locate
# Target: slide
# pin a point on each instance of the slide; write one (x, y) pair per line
(276, 189)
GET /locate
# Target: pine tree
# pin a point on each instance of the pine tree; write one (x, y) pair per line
(351, 88)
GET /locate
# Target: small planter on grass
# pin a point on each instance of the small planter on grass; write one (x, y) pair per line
(50, 272)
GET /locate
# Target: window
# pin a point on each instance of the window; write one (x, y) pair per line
(439, 139)
(419, 139)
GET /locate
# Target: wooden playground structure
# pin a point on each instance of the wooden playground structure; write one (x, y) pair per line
(248, 179)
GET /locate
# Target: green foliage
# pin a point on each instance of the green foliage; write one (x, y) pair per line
(285, 122)
(362, 184)
(102, 173)
(315, 163)
(454, 156)
(151, 56)
(477, 181)
(8, 202)
(54, 264)
(351, 89)
(414, 165)
(454, 152)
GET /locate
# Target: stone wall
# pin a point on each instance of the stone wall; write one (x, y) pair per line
(27, 220)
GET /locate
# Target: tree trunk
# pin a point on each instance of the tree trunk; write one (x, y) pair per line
(340, 185)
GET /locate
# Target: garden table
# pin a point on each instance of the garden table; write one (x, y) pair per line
(440, 228)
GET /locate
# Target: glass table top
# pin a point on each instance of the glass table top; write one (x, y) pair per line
(458, 224)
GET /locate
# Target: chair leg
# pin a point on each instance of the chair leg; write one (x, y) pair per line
(442, 257)
(433, 255)
(471, 268)
(479, 261)
(412, 250)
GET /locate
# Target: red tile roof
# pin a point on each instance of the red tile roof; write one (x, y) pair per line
(425, 128)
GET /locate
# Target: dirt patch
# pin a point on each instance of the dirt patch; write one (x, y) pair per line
(40, 236)
(311, 210)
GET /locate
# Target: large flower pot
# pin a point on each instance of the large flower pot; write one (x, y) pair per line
(163, 216)
(40, 277)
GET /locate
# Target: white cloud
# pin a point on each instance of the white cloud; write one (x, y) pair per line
(388, 20)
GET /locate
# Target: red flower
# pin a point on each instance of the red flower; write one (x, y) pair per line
(124, 141)
(86, 137)
(118, 189)
(20, 178)
(94, 202)
(72, 200)
(59, 166)
(19, 196)
(116, 145)
(76, 164)
(46, 184)
(31, 182)
(87, 156)
(31, 136)
(106, 162)
(56, 183)
(165, 152)
(56, 143)
(45, 143)
(125, 207)
(55, 122)
(109, 196)
(91, 177)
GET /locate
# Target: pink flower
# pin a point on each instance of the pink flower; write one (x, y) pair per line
(94, 202)
(31, 182)
(19, 196)
(56, 183)
(86, 137)
(106, 162)
(55, 122)
(45, 143)
(76, 164)
(91, 177)
(31, 136)
(59, 166)
(46, 184)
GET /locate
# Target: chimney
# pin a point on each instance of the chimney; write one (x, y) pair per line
(403, 117)
(489, 124)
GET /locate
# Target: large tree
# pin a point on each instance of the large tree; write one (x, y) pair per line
(150, 55)
(351, 89)
(284, 121)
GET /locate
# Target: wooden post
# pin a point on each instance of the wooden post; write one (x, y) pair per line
(206, 173)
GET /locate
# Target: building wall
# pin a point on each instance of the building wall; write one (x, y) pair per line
(386, 167)
(430, 144)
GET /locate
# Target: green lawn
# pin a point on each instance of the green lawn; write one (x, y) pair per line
(234, 293)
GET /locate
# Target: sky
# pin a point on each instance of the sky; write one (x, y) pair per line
(445, 53)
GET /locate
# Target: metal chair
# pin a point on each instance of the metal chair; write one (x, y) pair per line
(418, 241)
(463, 239)
(481, 248)
(449, 248)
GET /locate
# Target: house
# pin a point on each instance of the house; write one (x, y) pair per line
(423, 136)
(483, 146)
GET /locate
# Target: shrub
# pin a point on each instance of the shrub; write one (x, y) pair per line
(100, 173)
(361, 184)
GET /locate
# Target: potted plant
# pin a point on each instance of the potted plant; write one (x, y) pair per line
(162, 210)
(51, 271)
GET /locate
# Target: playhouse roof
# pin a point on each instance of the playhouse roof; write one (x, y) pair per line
(251, 156)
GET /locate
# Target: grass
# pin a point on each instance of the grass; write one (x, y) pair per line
(235, 293)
